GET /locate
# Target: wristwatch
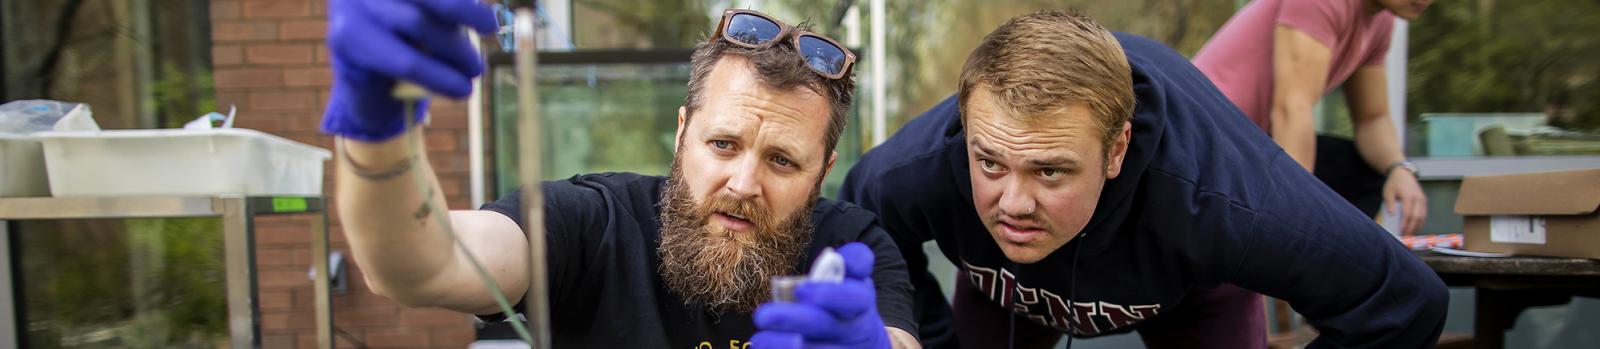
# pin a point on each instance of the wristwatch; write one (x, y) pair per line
(1401, 164)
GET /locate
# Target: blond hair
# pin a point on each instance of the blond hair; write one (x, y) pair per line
(1040, 63)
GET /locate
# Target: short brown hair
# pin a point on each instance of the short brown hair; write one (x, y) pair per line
(778, 67)
(1038, 64)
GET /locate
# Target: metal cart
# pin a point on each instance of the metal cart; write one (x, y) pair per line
(237, 213)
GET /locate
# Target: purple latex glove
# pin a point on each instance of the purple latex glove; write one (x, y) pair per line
(378, 42)
(827, 315)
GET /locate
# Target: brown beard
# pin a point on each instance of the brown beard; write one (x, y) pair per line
(719, 269)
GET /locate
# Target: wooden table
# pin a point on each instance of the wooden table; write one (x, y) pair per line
(1507, 286)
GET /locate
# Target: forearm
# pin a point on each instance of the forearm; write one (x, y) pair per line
(388, 198)
(395, 238)
(902, 339)
(1294, 131)
(1378, 142)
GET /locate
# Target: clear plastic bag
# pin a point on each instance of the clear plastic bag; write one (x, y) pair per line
(36, 115)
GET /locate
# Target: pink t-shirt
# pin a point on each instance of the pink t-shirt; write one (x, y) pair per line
(1239, 57)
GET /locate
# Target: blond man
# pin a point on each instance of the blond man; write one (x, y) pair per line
(1090, 183)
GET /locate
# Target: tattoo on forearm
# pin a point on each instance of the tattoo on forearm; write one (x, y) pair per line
(369, 174)
(380, 175)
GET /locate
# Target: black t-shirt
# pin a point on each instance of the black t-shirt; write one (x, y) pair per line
(605, 291)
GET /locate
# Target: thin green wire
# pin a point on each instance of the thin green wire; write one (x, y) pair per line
(410, 94)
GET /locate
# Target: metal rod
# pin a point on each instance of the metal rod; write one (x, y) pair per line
(475, 101)
(239, 260)
(535, 302)
(8, 313)
(323, 291)
(880, 109)
(106, 207)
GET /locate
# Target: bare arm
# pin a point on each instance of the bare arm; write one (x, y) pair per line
(902, 339)
(399, 244)
(1300, 72)
(1379, 144)
(1366, 94)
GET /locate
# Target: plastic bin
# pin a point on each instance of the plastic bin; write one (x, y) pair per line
(22, 167)
(180, 162)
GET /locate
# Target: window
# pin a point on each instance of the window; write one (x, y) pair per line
(610, 102)
(610, 111)
(596, 117)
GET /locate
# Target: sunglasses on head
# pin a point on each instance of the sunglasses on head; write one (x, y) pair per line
(755, 30)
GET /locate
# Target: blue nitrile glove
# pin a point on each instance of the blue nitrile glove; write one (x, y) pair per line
(377, 42)
(827, 315)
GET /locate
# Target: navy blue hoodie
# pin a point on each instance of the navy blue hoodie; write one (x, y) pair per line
(1204, 198)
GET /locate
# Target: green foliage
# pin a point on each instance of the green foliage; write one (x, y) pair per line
(928, 41)
(180, 97)
(595, 118)
(141, 283)
(1507, 56)
(639, 23)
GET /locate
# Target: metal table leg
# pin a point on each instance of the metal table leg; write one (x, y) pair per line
(239, 259)
(8, 314)
(319, 260)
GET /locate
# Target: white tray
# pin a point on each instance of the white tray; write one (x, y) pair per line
(180, 162)
(22, 167)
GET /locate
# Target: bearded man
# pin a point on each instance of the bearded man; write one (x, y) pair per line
(635, 261)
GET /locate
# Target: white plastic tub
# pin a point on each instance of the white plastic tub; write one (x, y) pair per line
(180, 162)
(22, 167)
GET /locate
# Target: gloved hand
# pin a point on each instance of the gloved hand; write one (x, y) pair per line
(827, 315)
(377, 42)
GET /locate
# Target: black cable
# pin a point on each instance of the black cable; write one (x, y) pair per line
(1011, 330)
(350, 337)
(341, 332)
(1072, 296)
(1072, 291)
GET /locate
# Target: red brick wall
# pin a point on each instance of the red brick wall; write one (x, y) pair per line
(270, 62)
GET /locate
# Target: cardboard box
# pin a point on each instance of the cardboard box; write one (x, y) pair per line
(1541, 214)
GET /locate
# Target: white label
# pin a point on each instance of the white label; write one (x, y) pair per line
(1389, 220)
(1516, 229)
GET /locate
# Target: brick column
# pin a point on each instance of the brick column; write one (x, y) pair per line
(270, 61)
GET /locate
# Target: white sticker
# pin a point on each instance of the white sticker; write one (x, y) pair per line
(1516, 229)
(1390, 220)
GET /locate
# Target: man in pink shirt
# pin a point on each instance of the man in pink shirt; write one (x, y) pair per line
(1275, 58)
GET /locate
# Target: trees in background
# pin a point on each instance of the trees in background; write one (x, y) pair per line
(1508, 56)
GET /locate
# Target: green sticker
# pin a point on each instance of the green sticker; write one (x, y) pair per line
(288, 204)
